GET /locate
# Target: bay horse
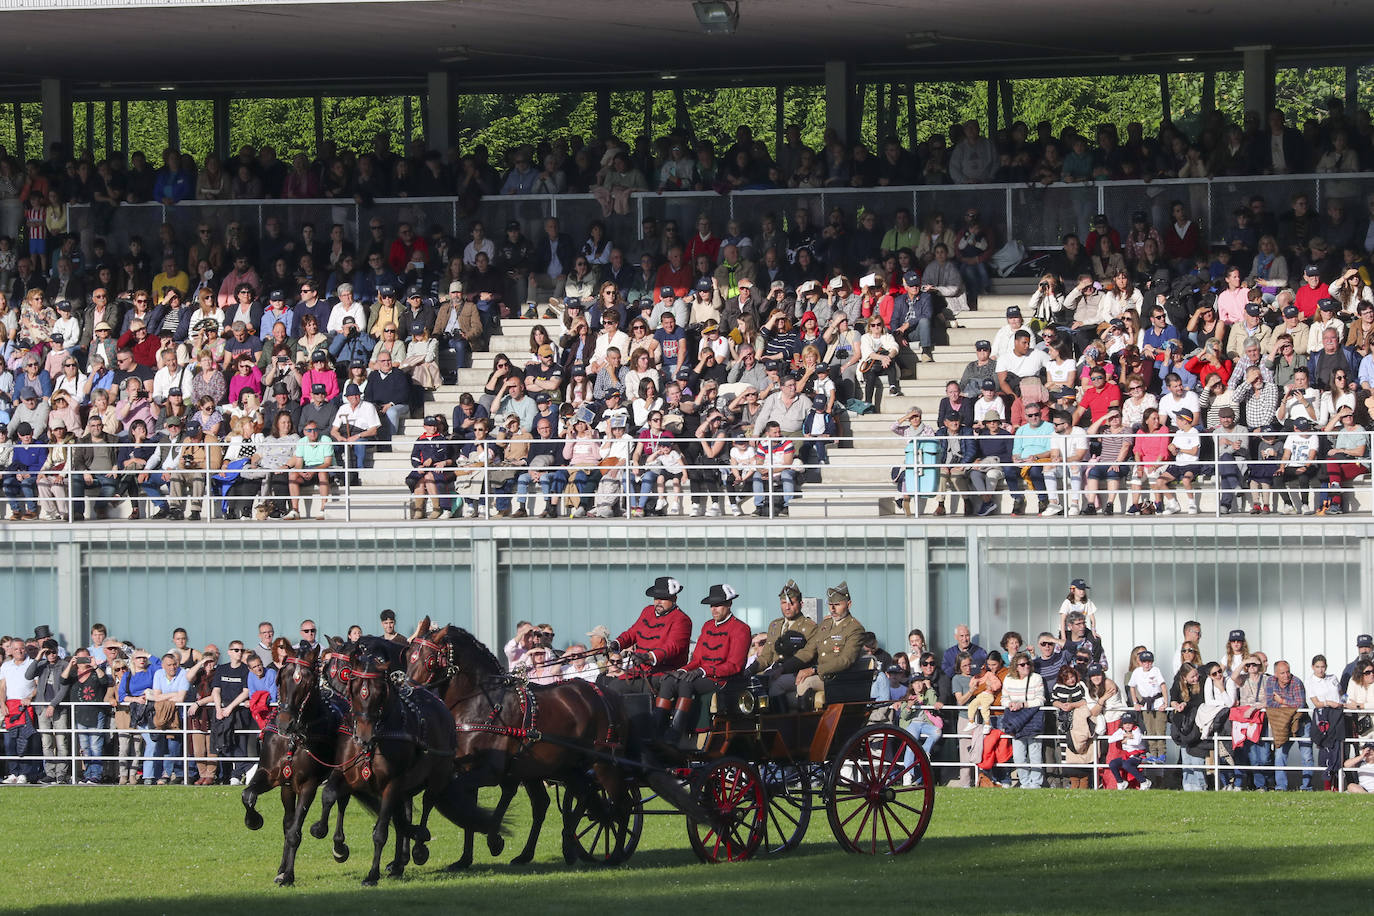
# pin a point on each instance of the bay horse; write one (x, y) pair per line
(510, 733)
(296, 754)
(408, 747)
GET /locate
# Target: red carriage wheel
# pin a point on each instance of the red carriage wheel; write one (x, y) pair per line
(881, 792)
(733, 793)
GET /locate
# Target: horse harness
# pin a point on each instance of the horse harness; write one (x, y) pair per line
(405, 695)
(296, 738)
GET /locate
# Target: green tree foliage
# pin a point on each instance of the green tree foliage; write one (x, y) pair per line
(503, 120)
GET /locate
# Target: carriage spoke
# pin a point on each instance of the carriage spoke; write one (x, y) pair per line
(901, 804)
(887, 831)
(898, 821)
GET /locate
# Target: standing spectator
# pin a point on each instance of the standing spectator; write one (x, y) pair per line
(1285, 701)
(87, 684)
(162, 760)
(54, 718)
(17, 691)
(230, 692)
(1147, 687)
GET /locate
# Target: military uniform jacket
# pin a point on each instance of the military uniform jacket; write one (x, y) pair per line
(805, 625)
(836, 645)
(721, 649)
(667, 637)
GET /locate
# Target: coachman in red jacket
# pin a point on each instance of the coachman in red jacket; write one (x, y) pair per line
(659, 639)
(721, 651)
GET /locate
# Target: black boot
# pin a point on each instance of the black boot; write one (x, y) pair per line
(659, 721)
(682, 721)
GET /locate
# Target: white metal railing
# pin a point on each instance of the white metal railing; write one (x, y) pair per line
(910, 462)
(1034, 214)
(1222, 762)
(76, 762)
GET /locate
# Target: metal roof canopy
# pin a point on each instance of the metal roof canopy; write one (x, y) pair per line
(125, 48)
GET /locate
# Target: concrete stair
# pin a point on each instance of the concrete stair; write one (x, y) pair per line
(855, 481)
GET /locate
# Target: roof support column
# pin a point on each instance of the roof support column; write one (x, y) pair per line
(56, 96)
(779, 118)
(1352, 87)
(1259, 78)
(219, 116)
(317, 107)
(173, 127)
(840, 110)
(1209, 92)
(1166, 103)
(20, 141)
(603, 114)
(441, 109)
(992, 108)
(109, 128)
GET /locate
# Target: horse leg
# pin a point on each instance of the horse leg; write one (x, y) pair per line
(304, 798)
(288, 817)
(539, 808)
(332, 788)
(401, 820)
(259, 784)
(388, 803)
(458, 804)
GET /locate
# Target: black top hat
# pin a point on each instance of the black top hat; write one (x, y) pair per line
(42, 631)
(663, 587)
(720, 594)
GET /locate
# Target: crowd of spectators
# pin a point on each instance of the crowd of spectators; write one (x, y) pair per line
(185, 716)
(1024, 714)
(1136, 372)
(169, 365)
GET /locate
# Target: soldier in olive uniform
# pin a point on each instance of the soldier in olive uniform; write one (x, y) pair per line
(835, 648)
(779, 660)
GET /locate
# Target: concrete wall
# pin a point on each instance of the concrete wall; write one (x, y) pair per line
(1296, 588)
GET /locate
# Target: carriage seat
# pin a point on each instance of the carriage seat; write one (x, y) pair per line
(853, 685)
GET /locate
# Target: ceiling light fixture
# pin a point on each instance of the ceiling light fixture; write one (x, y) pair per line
(667, 76)
(917, 41)
(717, 17)
(1186, 60)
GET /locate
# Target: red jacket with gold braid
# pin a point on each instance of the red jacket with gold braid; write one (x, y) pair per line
(667, 637)
(722, 648)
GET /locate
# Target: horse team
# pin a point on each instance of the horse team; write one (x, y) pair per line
(438, 720)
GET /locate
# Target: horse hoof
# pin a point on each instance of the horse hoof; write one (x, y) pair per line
(460, 865)
(523, 859)
(419, 834)
(419, 854)
(285, 880)
(395, 870)
(369, 881)
(340, 854)
(252, 819)
(495, 843)
(319, 830)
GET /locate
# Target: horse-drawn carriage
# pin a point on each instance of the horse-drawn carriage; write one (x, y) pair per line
(747, 783)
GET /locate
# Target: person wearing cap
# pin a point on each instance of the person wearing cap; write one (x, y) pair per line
(356, 426)
(656, 643)
(832, 650)
(777, 658)
(913, 310)
(431, 459)
(1147, 687)
(1364, 655)
(21, 482)
(1077, 600)
(1299, 469)
(721, 649)
(319, 373)
(1185, 447)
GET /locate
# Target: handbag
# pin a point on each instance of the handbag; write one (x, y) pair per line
(1364, 724)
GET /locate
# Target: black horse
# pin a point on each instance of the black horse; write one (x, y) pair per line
(296, 754)
(408, 747)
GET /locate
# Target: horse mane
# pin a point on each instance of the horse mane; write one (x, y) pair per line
(467, 644)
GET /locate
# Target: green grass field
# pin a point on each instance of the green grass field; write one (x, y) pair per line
(173, 850)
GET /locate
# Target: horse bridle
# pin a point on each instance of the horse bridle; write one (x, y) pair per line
(440, 651)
